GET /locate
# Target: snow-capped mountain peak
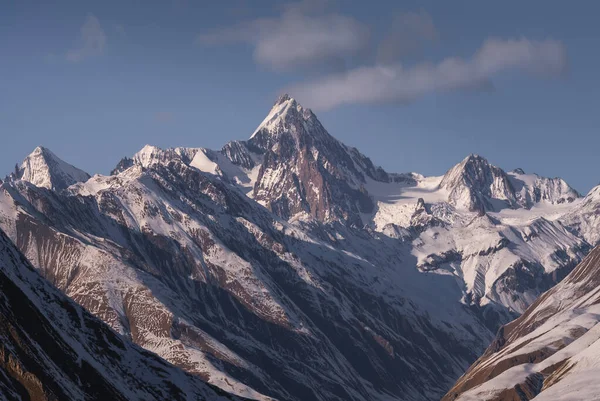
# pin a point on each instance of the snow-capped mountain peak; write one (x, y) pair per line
(43, 168)
(477, 185)
(283, 99)
(307, 172)
(284, 105)
(150, 154)
(287, 116)
(470, 167)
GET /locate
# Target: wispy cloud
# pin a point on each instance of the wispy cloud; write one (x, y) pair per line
(395, 83)
(307, 34)
(91, 42)
(303, 35)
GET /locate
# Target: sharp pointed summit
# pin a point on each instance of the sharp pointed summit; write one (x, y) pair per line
(286, 116)
(282, 99)
(43, 168)
(475, 184)
(306, 171)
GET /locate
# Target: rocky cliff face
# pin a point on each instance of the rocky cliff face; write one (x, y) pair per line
(552, 352)
(307, 172)
(52, 349)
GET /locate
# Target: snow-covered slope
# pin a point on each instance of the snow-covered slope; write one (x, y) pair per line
(506, 245)
(531, 189)
(44, 169)
(584, 218)
(52, 349)
(552, 352)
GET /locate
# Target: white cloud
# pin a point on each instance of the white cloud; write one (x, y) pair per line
(394, 83)
(301, 36)
(92, 41)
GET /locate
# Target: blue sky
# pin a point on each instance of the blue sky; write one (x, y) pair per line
(415, 85)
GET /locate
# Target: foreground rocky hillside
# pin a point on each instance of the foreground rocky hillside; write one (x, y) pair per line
(289, 266)
(52, 349)
(552, 352)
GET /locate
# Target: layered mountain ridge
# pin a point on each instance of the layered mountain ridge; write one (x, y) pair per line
(552, 352)
(290, 266)
(52, 349)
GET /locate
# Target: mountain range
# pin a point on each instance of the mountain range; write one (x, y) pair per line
(290, 267)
